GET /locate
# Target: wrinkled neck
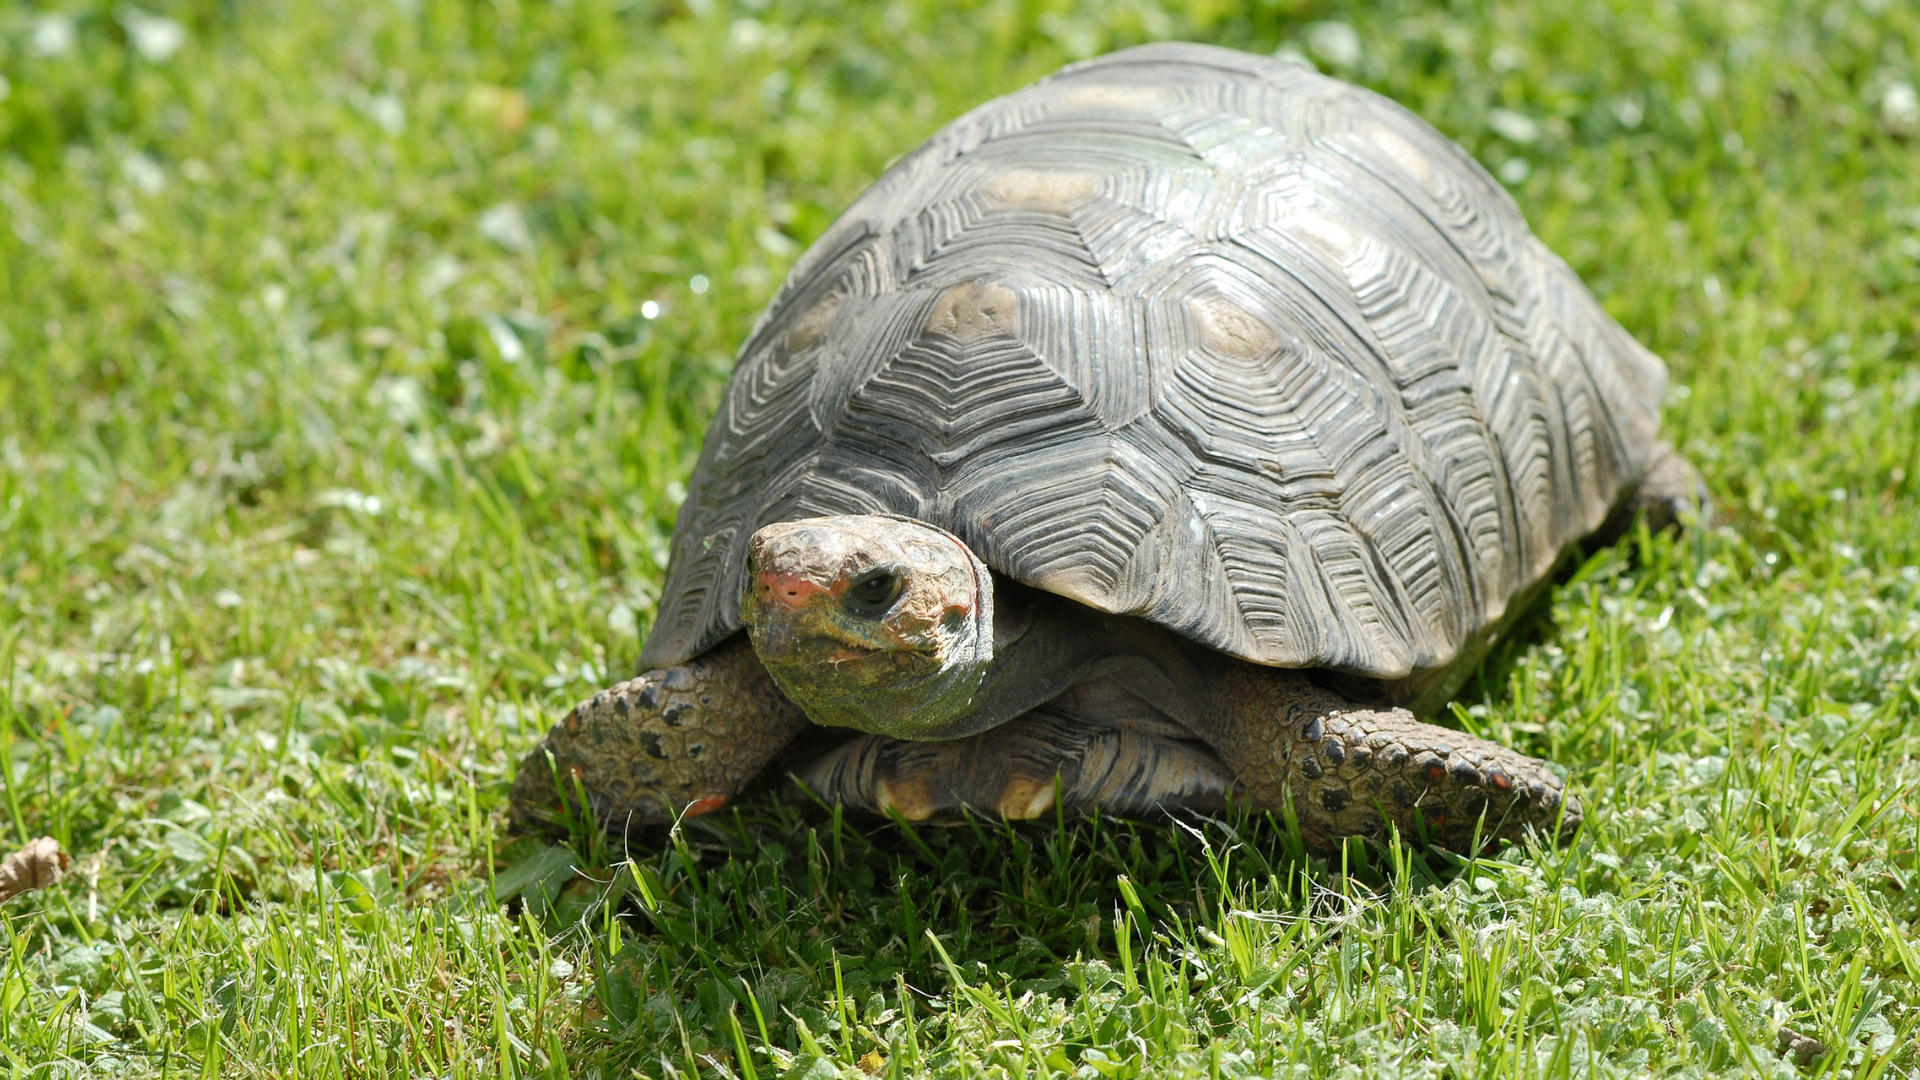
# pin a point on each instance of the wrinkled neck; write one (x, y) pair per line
(1045, 645)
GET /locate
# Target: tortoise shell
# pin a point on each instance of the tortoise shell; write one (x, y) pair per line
(1196, 336)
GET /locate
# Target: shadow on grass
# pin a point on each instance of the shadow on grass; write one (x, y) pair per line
(816, 932)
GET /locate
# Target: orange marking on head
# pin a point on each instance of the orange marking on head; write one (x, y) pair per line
(705, 805)
(792, 590)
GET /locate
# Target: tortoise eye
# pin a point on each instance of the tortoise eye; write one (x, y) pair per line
(872, 594)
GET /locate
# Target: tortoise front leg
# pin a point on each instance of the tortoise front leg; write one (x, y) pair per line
(1349, 770)
(674, 741)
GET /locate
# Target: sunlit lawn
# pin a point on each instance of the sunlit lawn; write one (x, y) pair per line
(351, 360)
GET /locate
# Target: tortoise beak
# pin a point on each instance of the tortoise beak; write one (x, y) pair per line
(776, 641)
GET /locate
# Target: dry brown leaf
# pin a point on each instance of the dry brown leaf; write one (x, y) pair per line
(35, 866)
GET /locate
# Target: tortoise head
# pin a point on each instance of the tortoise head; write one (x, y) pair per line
(874, 622)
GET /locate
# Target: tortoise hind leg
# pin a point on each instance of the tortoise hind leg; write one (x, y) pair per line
(674, 741)
(1349, 770)
(1671, 493)
(1022, 770)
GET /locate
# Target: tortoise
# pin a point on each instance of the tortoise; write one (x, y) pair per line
(1171, 431)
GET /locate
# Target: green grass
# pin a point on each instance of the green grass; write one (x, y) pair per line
(338, 454)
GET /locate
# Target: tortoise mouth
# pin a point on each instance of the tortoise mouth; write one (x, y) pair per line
(832, 652)
(829, 655)
(906, 693)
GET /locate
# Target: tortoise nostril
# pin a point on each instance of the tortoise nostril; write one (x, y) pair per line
(781, 590)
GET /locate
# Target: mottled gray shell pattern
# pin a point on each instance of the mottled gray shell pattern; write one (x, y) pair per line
(1192, 335)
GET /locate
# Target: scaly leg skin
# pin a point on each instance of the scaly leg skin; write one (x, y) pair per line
(1672, 492)
(1018, 769)
(674, 741)
(1350, 771)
